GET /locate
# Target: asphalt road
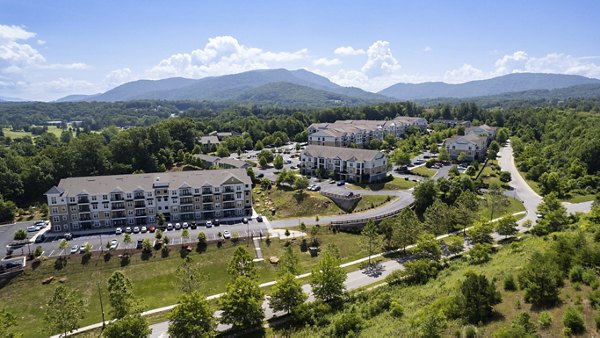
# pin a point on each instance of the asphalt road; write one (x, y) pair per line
(7, 232)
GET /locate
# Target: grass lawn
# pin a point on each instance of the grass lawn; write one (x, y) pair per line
(396, 183)
(8, 132)
(423, 171)
(289, 204)
(576, 198)
(369, 201)
(515, 206)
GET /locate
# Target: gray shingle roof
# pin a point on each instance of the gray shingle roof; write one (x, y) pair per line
(209, 139)
(95, 185)
(342, 153)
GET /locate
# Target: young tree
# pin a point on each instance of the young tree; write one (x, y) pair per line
(287, 294)
(185, 234)
(262, 161)
(507, 226)
(481, 233)
(462, 157)
(541, 279)
(455, 244)
(407, 230)
(131, 326)
(400, 157)
(127, 240)
(424, 194)
(201, 238)
(303, 227)
(428, 247)
(63, 245)
(465, 209)
(300, 183)
(241, 264)
(443, 155)
(64, 310)
(160, 220)
(20, 235)
(370, 240)
(278, 162)
(328, 277)
(120, 295)
(477, 297)
(438, 218)
(495, 200)
(242, 303)
(189, 277)
(289, 262)
(192, 317)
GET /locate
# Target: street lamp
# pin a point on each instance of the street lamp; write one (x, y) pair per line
(101, 305)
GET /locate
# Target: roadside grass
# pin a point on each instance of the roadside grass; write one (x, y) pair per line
(486, 212)
(423, 171)
(577, 198)
(371, 201)
(572, 197)
(290, 204)
(153, 280)
(396, 183)
(8, 132)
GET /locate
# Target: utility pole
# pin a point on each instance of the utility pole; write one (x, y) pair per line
(101, 305)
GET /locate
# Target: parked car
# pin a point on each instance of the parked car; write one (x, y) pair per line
(185, 225)
(75, 249)
(68, 236)
(136, 230)
(82, 247)
(331, 181)
(113, 244)
(293, 167)
(340, 183)
(169, 226)
(216, 222)
(193, 225)
(261, 175)
(209, 224)
(245, 220)
(152, 228)
(177, 226)
(138, 245)
(144, 229)
(32, 228)
(259, 218)
(118, 231)
(310, 187)
(39, 225)
(316, 188)
(128, 230)
(226, 234)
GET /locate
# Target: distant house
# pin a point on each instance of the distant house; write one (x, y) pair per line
(223, 134)
(55, 123)
(484, 129)
(225, 163)
(453, 123)
(209, 143)
(358, 165)
(474, 146)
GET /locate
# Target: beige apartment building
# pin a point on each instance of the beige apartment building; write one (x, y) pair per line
(358, 165)
(359, 133)
(95, 202)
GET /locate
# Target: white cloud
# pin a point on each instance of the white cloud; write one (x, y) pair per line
(14, 33)
(380, 60)
(221, 55)
(427, 49)
(348, 51)
(327, 62)
(118, 77)
(520, 61)
(464, 74)
(41, 42)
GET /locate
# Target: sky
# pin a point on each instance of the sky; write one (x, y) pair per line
(50, 49)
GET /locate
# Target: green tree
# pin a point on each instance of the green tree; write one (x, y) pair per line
(407, 230)
(496, 200)
(541, 279)
(477, 297)
(64, 310)
(428, 247)
(300, 183)
(462, 157)
(455, 244)
(278, 162)
(327, 279)
(465, 209)
(424, 194)
(443, 155)
(242, 303)
(438, 218)
(189, 277)
(287, 294)
(507, 226)
(481, 233)
(63, 245)
(7, 321)
(131, 326)
(160, 220)
(127, 240)
(400, 157)
(573, 320)
(241, 264)
(370, 238)
(192, 317)
(432, 326)
(185, 234)
(120, 295)
(20, 234)
(480, 253)
(505, 176)
(8, 210)
(502, 135)
(262, 161)
(289, 262)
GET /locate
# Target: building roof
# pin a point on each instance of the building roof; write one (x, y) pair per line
(341, 127)
(483, 127)
(342, 153)
(469, 138)
(95, 185)
(209, 140)
(208, 158)
(233, 162)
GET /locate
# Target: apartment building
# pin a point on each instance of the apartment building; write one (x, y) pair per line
(359, 133)
(82, 203)
(474, 146)
(358, 165)
(482, 130)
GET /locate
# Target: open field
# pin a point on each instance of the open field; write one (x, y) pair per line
(396, 183)
(515, 206)
(290, 204)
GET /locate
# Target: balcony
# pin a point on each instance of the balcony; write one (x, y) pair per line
(118, 206)
(228, 190)
(138, 196)
(85, 218)
(207, 200)
(140, 213)
(118, 214)
(184, 201)
(229, 206)
(83, 200)
(140, 204)
(228, 198)
(206, 191)
(116, 198)
(84, 208)
(185, 193)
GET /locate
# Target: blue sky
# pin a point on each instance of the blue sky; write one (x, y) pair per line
(49, 49)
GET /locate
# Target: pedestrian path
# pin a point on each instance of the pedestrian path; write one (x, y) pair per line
(259, 254)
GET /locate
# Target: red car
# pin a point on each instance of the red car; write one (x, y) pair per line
(152, 228)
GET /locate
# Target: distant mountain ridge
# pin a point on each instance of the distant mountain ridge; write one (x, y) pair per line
(241, 87)
(517, 82)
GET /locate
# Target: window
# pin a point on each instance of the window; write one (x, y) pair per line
(159, 208)
(174, 200)
(216, 189)
(53, 200)
(128, 195)
(130, 212)
(158, 198)
(55, 210)
(150, 202)
(166, 208)
(56, 219)
(105, 205)
(238, 188)
(151, 211)
(129, 204)
(57, 228)
(105, 197)
(95, 215)
(72, 199)
(174, 193)
(196, 191)
(149, 194)
(95, 206)
(94, 198)
(106, 214)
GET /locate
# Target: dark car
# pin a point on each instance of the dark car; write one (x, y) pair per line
(216, 222)
(259, 218)
(340, 183)
(138, 245)
(68, 236)
(261, 175)
(245, 220)
(193, 225)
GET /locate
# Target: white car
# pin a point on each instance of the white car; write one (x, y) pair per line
(169, 226)
(226, 234)
(136, 230)
(208, 224)
(113, 244)
(185, 225)
(128, 230)
(144, 230)
(118, 231)
(32, 228)
(75, 249)
(177, 226)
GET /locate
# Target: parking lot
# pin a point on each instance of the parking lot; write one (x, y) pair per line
(99, 241)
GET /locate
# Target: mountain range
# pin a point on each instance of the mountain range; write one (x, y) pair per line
(303, 88)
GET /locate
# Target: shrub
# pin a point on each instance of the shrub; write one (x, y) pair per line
(479, 254)
(345, 323)
(509, 282)
(573, 320)
(523, 320)
(376, 306)
(545, 320)
(594, 297)
(469, 331)
(597, 321)
(576, 273)
(588, 277)
(396, 309)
